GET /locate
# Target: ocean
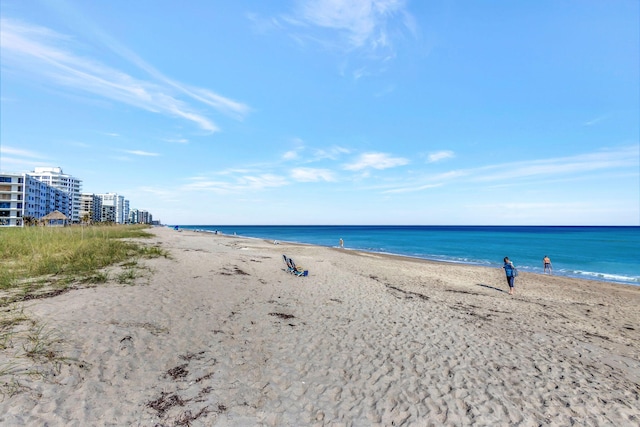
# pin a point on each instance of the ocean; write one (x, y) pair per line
(609, 254)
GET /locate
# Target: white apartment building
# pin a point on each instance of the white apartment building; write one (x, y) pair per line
(21, 195)
(55, 177)
(38, 193)
(138, 216)
(125, 211)
(114, 208)
(11, 199)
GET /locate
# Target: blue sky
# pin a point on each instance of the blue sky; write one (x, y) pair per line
(332, 111)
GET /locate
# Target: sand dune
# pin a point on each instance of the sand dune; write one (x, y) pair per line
(221, 335)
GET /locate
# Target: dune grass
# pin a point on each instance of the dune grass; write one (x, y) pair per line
(39, 262)
(68, 254)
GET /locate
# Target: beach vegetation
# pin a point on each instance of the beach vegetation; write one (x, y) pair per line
(97, 278)
(127, 276)
(39, 342)
(58, 257)
(42, 262)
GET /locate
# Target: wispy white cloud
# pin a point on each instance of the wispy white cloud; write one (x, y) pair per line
(219, 187)
(440, 155)
(366, 31)
(141, 153)
(178, 140)
(596, 120)
(236, 183)
(156, 191)
(41, 52)
(424, 183)
(220, 103)
(560, 168)
(290, 155)
(294, 153)
(261, 181)
(206, 96)
(312, 175)
(19, 152)
(412, 189)
(8, 163)
(570, 165)
(376, 161)
(18, 158)
(364, 23)
(331, 153)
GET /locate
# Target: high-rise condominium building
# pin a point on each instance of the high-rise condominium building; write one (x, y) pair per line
(137, 216)
(90, 208)
(55, 177)
(23, 196)
(115, 208)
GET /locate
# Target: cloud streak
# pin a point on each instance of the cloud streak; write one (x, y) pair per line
(141, 153)
(583, 163)
(510, 173)
(363, 22)
(376, 161)
(440, 155)
(312, 175)
(19, 152)
(240, 184)
(41, 52)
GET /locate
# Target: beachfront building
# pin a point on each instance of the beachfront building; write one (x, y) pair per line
(42, 199)
(125, 211)
(140, 217)
(55, 177)
(90, 208)
(114, 207)
(11, 199)
(23, 196)
(108, 214)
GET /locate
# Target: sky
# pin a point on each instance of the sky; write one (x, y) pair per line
(336, 112)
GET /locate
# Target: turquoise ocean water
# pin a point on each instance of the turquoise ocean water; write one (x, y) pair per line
(600, 253)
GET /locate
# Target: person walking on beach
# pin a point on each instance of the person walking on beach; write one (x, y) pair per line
(511, 272)
(547, 264)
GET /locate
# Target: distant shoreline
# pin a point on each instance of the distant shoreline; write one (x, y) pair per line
(592, 277)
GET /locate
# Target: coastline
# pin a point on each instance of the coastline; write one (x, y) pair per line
(578, 256)
(221, 335)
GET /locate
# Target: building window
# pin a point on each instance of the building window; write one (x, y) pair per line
(5, 179)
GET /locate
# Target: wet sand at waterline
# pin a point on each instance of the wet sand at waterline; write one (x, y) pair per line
(221, 335)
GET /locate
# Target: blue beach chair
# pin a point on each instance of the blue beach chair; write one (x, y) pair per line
(287, 262)
(293, 269)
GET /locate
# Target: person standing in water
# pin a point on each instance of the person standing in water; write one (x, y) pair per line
(341, 243)
(547, 264)
(511, 273)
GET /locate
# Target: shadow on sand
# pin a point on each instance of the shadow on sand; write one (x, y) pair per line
(490, 287)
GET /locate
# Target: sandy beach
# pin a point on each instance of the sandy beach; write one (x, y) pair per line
(219, 334)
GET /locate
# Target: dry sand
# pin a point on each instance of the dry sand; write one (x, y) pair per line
(221, 335)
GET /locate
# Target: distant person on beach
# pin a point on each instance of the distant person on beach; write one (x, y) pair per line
(511, 272)
(547, 264)
(341, 243)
